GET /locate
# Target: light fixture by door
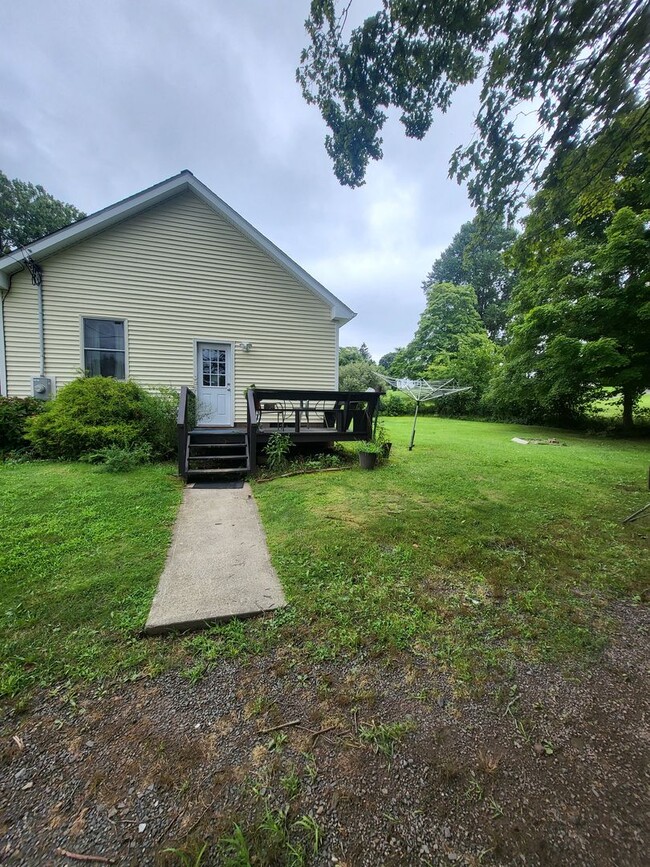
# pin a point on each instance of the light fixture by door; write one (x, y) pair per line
(245, 347)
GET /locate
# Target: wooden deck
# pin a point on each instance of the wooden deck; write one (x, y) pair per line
(305, 415)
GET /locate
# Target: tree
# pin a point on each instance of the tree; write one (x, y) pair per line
(28, 212)
(386, 361)
(359, 376)
(475, 363)
(581, 306)
(365, 352)
(450, 314)
(349, 355)
(577, 64)
(475, 258)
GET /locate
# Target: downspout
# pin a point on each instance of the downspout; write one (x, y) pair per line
(4, 291)
(41, 325)
(337, 325)
(36, 273)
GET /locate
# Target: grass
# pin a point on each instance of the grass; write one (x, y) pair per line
(382, 737)
(612, 408)
(80, 555)
(471, 550)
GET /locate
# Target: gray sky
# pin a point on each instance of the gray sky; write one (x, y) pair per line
(102, 99)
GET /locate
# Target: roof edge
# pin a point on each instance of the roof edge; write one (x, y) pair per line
(11, 263)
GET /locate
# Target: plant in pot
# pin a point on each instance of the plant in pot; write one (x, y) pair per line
(369, 453)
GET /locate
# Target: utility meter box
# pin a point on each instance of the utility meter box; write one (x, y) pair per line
(42, 387)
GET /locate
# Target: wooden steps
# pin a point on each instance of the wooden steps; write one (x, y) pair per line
(217, 453)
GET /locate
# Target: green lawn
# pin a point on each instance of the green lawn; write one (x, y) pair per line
(471, 549)
(80, 555)
(612, 408)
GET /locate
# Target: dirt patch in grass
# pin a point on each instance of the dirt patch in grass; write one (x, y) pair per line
(545, 768)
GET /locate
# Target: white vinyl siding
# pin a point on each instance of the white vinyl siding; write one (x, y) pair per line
(178, 273)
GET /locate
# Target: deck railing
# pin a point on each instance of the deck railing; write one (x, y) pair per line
(349, 414)
(185, 421)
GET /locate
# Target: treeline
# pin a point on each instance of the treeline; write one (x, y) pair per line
(545, 322)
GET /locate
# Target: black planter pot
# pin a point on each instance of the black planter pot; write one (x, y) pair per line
(367, 460)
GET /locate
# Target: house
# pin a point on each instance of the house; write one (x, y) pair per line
(170, 287)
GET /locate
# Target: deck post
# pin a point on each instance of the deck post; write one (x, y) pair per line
(251, 416)
(181, 432)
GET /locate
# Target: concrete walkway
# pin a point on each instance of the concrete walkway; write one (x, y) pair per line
(218, 565)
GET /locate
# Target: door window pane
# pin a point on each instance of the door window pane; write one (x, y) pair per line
(213, 367)
(104, 348)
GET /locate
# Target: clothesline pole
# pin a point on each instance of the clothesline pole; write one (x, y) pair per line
(415, 418)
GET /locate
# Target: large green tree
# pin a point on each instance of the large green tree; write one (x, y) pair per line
(575, 64)
(359, 376)
(349, 355)
(386, 361)
(450, 315)
(475, 258)
(582, 304)
(27, 212)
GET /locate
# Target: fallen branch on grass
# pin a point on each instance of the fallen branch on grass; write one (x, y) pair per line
(636, 514)
(303, 473)
(76, 856)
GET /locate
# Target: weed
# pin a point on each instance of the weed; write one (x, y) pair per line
(474, 789)
(311, 768)
(277, 742)
(235, 849)
(259, 704)
(195, 672)
(309, 824)
(189, 856)
(382, 737)
(487, 763)
(120, 459)
(496, 810)
(277, 449)
(290, 782)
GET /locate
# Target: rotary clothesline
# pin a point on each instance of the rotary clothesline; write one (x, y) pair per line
(422, 392)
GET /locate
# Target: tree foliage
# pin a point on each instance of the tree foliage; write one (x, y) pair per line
(357, 370)
(359, 376)
(475, 258)
(580, 63)
(450, 315)
(386, 361)
(474, 363)
(582, 304)
(28, 212)
(349, 354)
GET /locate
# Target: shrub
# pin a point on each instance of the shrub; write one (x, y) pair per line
(396, 403)
(121, 459)
(14, 412)
(93, 413)
(359, 376)
(161, 410)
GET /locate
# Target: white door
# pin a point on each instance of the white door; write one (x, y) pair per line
(214, 375)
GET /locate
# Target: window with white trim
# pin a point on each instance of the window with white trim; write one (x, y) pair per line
(104, 348)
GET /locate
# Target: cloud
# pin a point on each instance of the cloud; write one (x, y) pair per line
(112, 97)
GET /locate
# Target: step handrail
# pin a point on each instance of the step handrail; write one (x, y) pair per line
(184, 424)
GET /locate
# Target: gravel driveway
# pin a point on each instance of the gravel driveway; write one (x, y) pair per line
(548, 768)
